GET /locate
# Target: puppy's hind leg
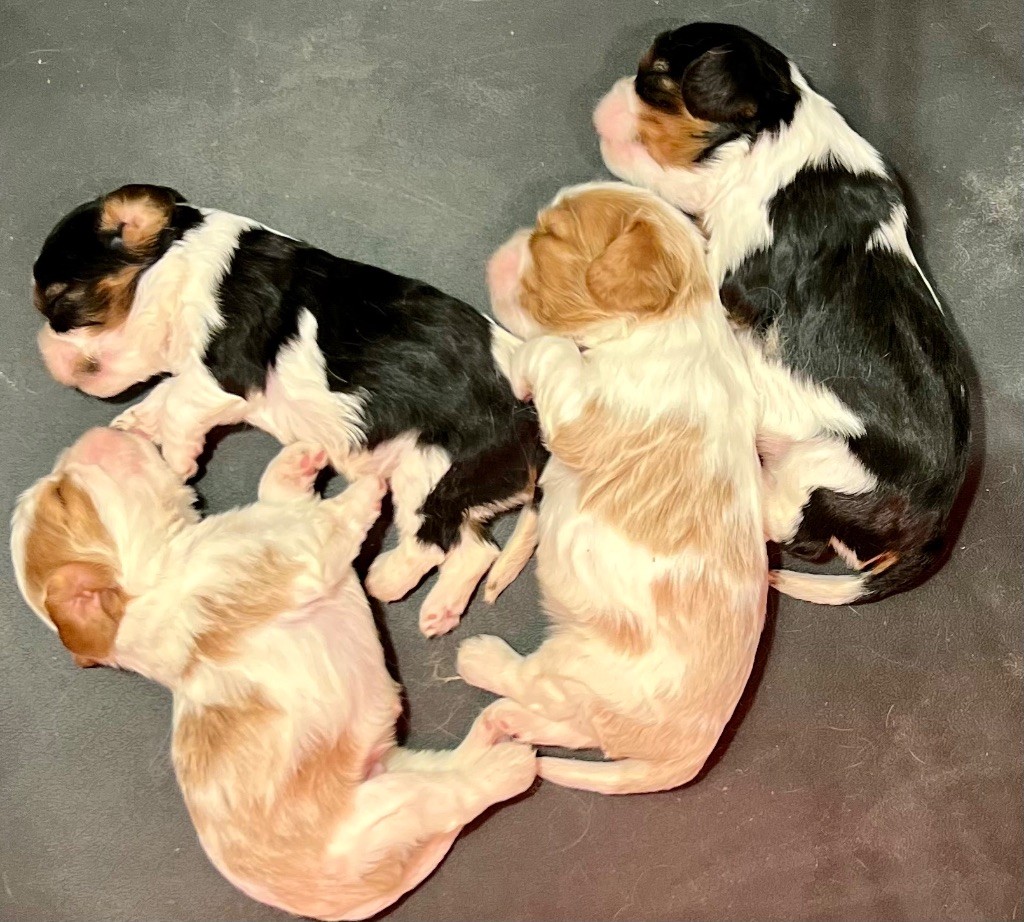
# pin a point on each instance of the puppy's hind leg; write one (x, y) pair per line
(541, 682)
(514, 555)
(473, 490)
(508, 718)
(461, 571)
(396, 573)
(414, 810)
(352, 514)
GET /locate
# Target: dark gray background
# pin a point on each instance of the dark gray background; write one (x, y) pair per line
(877, 774)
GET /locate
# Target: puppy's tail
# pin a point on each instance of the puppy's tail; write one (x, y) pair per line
(624, 776)
(514, 556)
(891, 572)
(819, 588)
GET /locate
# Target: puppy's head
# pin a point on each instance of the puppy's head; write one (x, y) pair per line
(86, 275)
(696, 88)
(77, 534)
(601, 258)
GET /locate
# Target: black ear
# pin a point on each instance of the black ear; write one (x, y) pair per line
(740, 83)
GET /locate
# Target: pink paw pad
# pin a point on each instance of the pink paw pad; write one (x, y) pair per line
(438, 621)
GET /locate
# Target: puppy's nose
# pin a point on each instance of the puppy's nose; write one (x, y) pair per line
(504, 264)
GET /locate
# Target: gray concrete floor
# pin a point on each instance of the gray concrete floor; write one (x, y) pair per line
(876, 772)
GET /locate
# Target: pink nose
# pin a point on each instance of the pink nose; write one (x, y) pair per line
(504, 265)
(613, 117)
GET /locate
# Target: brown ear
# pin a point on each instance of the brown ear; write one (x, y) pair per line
(138, 214)
(86, 603)
(635, 274)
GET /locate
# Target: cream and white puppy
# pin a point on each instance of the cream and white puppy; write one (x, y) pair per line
(651, 553)
(284, 712)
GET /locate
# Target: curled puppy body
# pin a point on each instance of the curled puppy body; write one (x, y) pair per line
(283, 736)
(866, 426)
(651, 555)
(390, 375)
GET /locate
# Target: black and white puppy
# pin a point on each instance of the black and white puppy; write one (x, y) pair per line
(866, 425)
(393, 377)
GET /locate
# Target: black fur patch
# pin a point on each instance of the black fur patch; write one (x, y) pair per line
(723, 74)
(864, 324)
(420, 359)
(77, 254)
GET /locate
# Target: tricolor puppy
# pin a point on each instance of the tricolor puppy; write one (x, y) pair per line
(651, 554)
(388, 374)
(283, 739)
(866, 430)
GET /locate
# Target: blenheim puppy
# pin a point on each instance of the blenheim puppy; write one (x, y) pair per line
(866, 432)
(651, 554)
(283, 740)
(390, 375)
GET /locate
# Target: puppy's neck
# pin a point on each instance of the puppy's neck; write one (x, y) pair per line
(154, 638)
(176, 303)
(818, 136)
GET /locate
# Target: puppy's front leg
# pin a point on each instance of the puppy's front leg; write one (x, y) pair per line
(145, 417)
(183, 409)
(352, 514)
(292, 473)
(550, 370)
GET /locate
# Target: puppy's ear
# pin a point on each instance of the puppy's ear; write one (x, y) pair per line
(86, 604)
(635, 274)
(739, 83)
(136, 216)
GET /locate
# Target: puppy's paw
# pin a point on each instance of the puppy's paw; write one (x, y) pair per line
(506, 719)
(522, 387)
(292, 472)
(395, 573)
(485, 732)
(439, 615)
(366, 496)
(136, 419)
(182, 458)
(482, 659)
(510, 767)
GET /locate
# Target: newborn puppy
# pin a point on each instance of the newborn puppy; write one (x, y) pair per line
(866, 430)
(283, 739)
(390, 375)
(651, 555)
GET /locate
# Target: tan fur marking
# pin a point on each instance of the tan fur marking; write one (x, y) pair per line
(72, 572)
(211, 744)
(705, 605)
(139, 213)
(603, 255)
(261, 592)
(113, 296)
(291, 806)
(673, 139)
(649, 481)
(621, 634)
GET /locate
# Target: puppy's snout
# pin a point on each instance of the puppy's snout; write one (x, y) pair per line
(87, 365)
(64, 360)
(505, 265)
(614, 117)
